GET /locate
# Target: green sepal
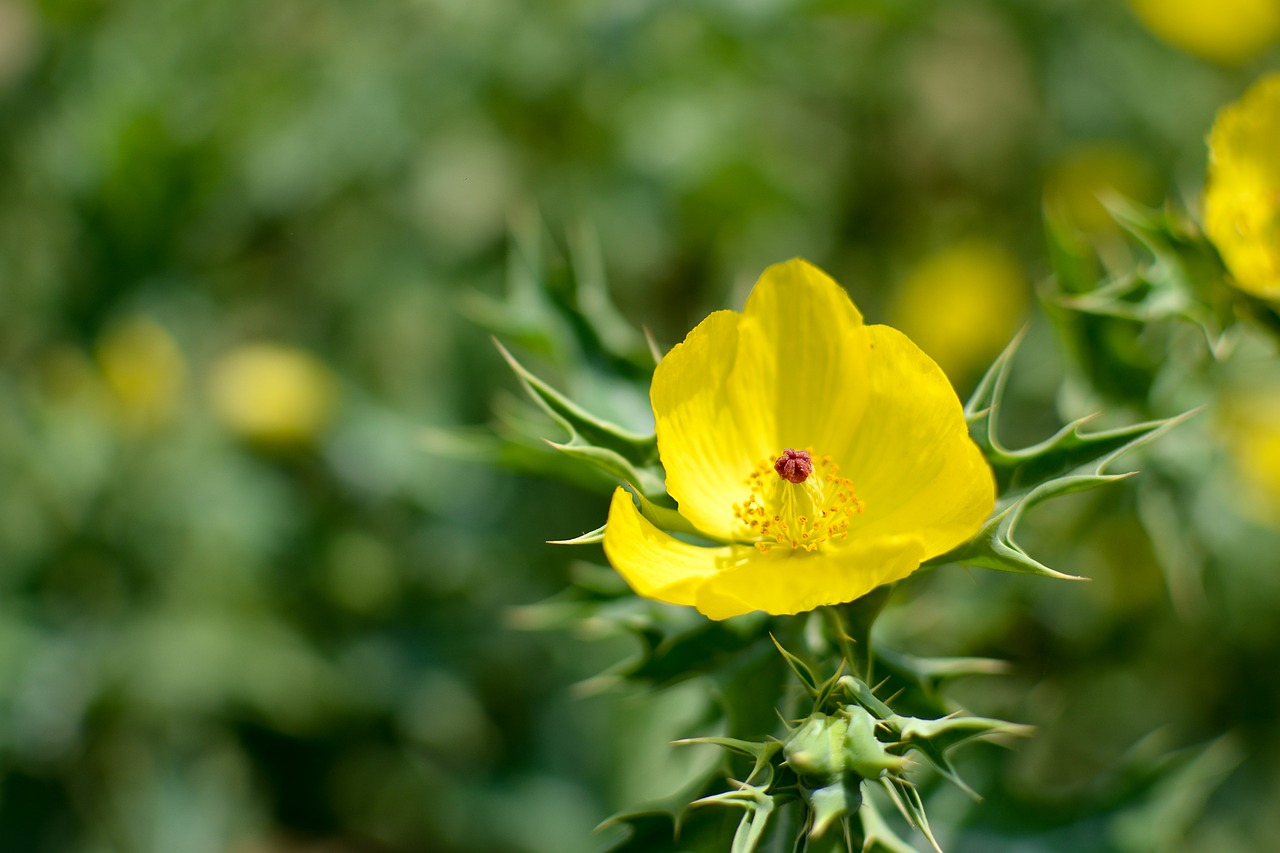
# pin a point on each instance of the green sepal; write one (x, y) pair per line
(866, 754)
(861, 693)
(832, 803)
(1069, 461)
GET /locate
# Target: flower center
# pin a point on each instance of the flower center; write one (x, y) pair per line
(796, 502)
(794, 466)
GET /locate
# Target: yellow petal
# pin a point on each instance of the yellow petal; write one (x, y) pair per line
(655, 564)
(802, 321)
(912, 462)
(785, 581)
(1242, 194)
(741, 388)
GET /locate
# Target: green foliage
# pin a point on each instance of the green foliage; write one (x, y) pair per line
(211, 641)
(1070, 461)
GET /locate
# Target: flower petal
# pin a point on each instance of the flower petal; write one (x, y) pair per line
(655, 564)
(741, 388)
(785, 582)
(1241, 210)
(912, 462)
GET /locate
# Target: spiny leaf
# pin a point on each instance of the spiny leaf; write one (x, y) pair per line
(525, 312)
(758, 804)
(877, 836)
(800, 668)
(616, 335)
(761, 751)
(665, 518)
(656, 825)
(931, 673)
(589, 538)
(683, 645)
(648, 480)
(1067, 462)
(949, 732)
(634, 448)
(623, 456)
(907, 798)
(512, 451)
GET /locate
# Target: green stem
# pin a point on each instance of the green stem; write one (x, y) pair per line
(850, 625)
(835, 624)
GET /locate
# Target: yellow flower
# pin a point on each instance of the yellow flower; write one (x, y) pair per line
(144, 369)
(1242, 194)
(823, 457)
(962, 305)
(272, 393)
(1249, 428)
(1224, 30)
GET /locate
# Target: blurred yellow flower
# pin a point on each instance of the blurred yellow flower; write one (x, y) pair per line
(1242, 191)
(1250, 429)
(144, 370)
(823, 457)
(962, 305)
(1222, 30)
(272, 393)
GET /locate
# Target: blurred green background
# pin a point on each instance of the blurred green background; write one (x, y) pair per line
(251, 252)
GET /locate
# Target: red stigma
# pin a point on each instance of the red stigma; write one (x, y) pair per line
(794, 466)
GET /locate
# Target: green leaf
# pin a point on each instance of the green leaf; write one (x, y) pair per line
(1069, 461)
(636, 449)
(949, 732)
(929, 674)
(761, 751)
(800, 668)
(591, 537)
(623, 455)
(907, 799)
(877, 836)
(759, 806)
(665, 518)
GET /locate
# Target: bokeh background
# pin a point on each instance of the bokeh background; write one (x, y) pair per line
(253, 599)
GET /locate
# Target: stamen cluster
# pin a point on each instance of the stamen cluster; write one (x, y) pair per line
(794, 511)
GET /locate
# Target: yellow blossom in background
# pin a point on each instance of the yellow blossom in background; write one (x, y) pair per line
(1250, 429)
(143, 369)
(1078, 182)
(272, 393)
(820, 456)
(962, 305)
(1221, 30)
(1242, 191)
